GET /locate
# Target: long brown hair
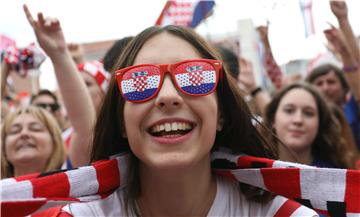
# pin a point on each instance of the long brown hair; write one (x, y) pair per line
(328, 145)
(238, 133)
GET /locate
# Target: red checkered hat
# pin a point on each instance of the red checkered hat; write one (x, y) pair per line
(97, 71)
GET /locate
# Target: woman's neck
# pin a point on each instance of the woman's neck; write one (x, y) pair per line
(303, 156)
(29, 168)
(179, 192)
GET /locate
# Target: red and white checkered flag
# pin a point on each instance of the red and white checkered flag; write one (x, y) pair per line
(332, 192)
(185, 13)
(140, 83)
(196, 78)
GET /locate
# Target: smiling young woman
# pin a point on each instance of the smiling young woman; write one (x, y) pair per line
(304, 122)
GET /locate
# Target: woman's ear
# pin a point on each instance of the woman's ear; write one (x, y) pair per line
(220, 122)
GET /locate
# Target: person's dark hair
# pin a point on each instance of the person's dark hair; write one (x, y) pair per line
(328, 144)
(238, 133)
(44, 92)
(325, 69)
(114, 52)
(230, 59)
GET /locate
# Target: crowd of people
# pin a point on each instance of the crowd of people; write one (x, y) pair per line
(168, 100)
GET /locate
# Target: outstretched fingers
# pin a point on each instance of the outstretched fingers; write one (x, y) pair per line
(29, 16)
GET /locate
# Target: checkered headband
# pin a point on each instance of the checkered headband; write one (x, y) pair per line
(23, 59)
(97, 71)
(331, 192)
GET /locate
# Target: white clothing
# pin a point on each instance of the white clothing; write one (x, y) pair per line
(229, 201)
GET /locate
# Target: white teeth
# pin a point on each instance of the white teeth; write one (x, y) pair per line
(167, 127)
(173, 126)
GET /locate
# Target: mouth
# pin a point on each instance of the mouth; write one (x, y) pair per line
(171, 129)
(297, 132)
(25, 145)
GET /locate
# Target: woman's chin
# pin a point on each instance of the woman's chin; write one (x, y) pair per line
(171, 161)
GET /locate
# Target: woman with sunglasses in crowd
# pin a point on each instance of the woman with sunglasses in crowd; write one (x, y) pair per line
(305, 123)
(169, 106)
(49, 101)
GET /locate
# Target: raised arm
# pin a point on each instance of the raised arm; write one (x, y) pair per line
(352, 75)
(272, 68)
(351, 64)
(246, 81)
(340, 10)
(76, 97)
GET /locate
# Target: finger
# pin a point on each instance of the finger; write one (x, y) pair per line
(29, 16)
(41, 18)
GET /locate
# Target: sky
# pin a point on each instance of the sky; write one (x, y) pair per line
(95, 20)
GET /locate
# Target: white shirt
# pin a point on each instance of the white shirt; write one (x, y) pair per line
(229, 201)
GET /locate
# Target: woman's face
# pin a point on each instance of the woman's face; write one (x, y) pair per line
(169, 111)
(96, 92)
(297, 120)
(27, 140)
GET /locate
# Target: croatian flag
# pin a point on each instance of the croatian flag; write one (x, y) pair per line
(306, 12)
(185, 13)
(196, 79)
(140, 84)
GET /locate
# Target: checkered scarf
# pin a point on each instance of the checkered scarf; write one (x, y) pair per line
(332, 192)
(97, 71)
(23, 59)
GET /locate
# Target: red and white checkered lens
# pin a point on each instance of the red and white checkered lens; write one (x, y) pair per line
(140, 83)
(195, 78)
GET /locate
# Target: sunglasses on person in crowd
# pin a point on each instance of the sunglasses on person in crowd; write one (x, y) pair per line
(52, 106)
(194, 77)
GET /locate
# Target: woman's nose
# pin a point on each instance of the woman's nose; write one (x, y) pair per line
(298, 117)
(24, 133)
(168, 96)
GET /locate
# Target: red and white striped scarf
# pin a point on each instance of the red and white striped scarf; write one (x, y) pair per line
(332, 192)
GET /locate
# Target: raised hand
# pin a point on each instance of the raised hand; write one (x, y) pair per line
(263, 32)
(246, 78)
(76, 52)
(335, 38)
(48, 33)
(339, 9)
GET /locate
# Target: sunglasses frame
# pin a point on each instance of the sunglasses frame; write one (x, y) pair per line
(49, 105)
(169, 68)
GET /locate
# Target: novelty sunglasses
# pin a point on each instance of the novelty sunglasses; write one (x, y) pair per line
(194, 77)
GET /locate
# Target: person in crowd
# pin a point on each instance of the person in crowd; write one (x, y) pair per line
(242, 71)
(81, 111)
(342, 86)
(96, 80)
(114, 52)
(49, 101)
(330, 80)
(303, 121)
(30, 143)
(76, 97)
(170, 124)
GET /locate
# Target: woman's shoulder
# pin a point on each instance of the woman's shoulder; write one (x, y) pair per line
(230, 201)
(113, 205)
